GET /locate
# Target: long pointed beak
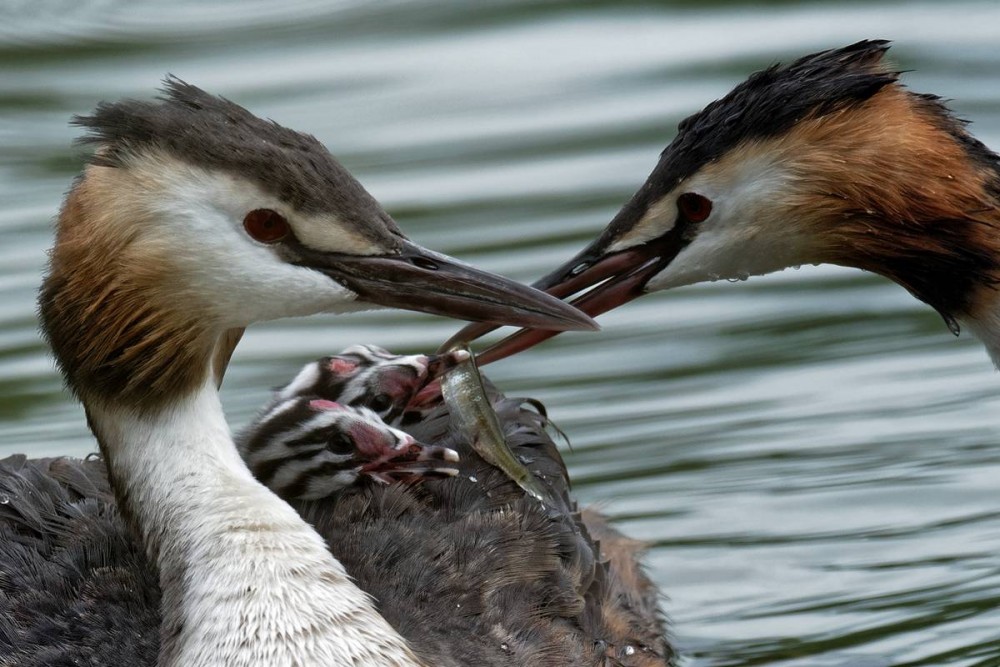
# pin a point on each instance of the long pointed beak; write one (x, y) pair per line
(419, 279)
(616, 277)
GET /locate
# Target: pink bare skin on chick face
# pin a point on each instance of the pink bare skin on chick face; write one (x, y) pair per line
(369, 376)
(390, 454)
(328, 428)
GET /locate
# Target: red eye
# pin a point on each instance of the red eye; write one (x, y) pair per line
(266, 226)
(694, 207)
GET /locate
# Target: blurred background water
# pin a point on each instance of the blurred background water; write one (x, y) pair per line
(811, 456)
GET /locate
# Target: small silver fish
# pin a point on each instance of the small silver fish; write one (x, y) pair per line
(465, 395)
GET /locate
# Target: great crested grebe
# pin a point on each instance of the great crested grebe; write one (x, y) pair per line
(193, 220)
(826, 160)
(470, 570)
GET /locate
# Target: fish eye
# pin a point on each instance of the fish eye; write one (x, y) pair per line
(266, 225)
(694, 207)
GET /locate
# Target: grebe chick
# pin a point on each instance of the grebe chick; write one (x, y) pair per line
(460, 566)
(321, 433)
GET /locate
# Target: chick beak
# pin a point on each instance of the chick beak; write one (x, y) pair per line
(415, 278)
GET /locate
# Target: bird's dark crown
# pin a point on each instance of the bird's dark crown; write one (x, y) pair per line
(216, 134)
(771, 102)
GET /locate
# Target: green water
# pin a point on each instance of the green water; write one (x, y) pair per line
(812, 457)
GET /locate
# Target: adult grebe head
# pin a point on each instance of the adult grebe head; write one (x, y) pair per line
(193, 220)
(826, 160)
